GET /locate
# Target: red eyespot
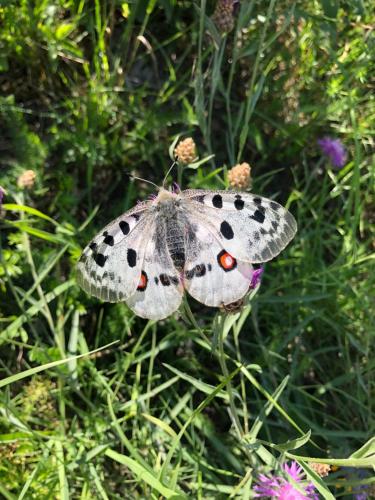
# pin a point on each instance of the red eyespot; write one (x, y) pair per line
(142, 282)
(226, 261)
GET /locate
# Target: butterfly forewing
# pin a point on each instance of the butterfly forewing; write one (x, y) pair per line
(251, 228)
(110, 266)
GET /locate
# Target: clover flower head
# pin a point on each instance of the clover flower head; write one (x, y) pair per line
(335, 150)
(186, 151)
(280, 488)
(239, 176)
(2, 193)
(26, 179)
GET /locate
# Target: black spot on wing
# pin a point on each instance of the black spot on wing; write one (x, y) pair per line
(124, 226)
(156, 279)
(189, 274)
(199, 270)
(108, 239)
(100, 259)
(226, 230)
(257, 200)
(136, 216)
(131, 257)
(238, 202)
(164, 280)
(209, 267)
(275, 206)
(258, 216)
(200, 198)
(93, 246)
(217, 201)
(275, 225)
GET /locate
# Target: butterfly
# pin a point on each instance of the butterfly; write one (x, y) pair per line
(204, 242)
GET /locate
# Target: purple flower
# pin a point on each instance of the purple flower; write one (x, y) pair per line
(2, 192)
(256, 277)
(279, 488)
(335, 150)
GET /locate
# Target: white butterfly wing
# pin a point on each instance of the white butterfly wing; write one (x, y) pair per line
(212, 275)
(251, 228)
(110, 266)
(160, 289)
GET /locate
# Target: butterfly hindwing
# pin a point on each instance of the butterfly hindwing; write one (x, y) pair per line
(251, 228)
(110, 266)
(160, 290)
(212, 275)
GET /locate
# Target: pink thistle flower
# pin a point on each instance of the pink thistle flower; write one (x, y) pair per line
(280, 488)
(256, 277)
(335, 150)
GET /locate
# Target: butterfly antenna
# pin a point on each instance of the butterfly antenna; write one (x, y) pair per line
(169, 171)
(142, 180)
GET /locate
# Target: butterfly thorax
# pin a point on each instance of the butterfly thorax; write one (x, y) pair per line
(165, 196)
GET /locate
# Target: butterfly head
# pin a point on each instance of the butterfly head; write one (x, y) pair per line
(165, 196)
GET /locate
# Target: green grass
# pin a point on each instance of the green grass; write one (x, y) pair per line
(97, 403)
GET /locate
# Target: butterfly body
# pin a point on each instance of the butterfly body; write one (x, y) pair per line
(204, 242)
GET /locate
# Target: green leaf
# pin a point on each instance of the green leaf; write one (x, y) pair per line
(14, 207)
(47, 366)
(64, 30)
(293, 444)
(144, 475)
(341, 462)
(198, 384)
(193, 415)
(12, 329)
(366, 450)
(172, 147)
(39, 233)
(198, 163)
(259, 421)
